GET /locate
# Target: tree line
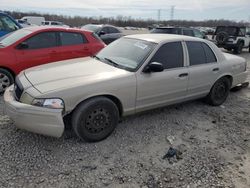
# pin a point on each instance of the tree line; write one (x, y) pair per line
(123, 21)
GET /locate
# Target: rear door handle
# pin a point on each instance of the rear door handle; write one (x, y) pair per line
(183, 75)
(216, 69)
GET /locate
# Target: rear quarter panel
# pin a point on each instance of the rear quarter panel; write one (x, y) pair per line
(234, 66)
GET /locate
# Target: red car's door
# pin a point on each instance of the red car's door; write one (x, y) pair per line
(73, 45)
(39, 49)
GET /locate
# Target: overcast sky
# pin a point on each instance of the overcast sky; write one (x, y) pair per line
(184, 9)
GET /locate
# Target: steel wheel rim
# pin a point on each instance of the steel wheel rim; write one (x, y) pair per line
(4, 82)
(97, 121)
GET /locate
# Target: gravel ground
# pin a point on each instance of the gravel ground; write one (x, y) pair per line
(213, 145)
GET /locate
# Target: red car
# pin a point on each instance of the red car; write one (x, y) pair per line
(34, 46)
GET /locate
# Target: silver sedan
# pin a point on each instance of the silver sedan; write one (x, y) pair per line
(133, 74)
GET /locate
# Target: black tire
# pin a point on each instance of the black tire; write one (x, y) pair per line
(95, 119)
(219, 92)
(238, 48)
(6, 79)
(229, 49)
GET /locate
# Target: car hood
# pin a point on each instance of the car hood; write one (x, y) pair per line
(70, 73)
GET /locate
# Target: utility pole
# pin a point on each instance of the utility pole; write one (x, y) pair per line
(159, 15)
(172, 12)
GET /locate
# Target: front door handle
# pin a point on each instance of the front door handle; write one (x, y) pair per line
(183, 75)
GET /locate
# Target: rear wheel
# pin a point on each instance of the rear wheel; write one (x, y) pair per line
(219, 92)
(238, 48)
(229, 49)
(95, 119)
(6, 79)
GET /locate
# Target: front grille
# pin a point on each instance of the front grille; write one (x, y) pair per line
(18, 89)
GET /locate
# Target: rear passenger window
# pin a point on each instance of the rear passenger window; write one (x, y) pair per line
(68, 38)
(210, 57)
(170, 55)
(196, 52)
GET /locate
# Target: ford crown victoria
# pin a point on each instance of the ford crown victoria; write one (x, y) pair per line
(133, 74)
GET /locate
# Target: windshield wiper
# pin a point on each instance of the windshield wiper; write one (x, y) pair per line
(94, 56)
(112, 62)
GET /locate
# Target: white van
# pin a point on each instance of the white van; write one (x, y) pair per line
(34, 20)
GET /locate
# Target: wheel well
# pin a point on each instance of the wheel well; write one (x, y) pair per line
(9, 70)
(230, 79)
(241, 41)
(67, 118)
(116, 101)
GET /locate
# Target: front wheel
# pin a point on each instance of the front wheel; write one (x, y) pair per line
(219, 92)
(6, 79)
(95, 119)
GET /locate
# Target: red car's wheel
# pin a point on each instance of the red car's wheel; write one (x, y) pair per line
(6, 79)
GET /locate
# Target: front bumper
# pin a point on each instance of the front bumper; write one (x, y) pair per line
(39, 120)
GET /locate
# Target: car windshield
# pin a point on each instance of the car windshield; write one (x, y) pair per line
(166, 30)
(126, 53)
(229, 30)
(91, 27)
(13, 37)
(7, 24)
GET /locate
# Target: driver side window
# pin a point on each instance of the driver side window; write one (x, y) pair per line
(42, 40)
(170, 55)
(105, 30)
(242, 32)
(198, 34)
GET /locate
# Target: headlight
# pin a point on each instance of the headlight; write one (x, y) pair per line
(49, 103)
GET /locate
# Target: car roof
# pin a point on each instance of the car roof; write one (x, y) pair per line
(101, 25)
(3, 13)
(158, 38)
(172, 27)
(52, 28)
(232, 26)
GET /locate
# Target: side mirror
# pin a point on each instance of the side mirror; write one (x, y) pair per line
(102, 33)
(153, 67)
(22, 46)
(205, 37)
